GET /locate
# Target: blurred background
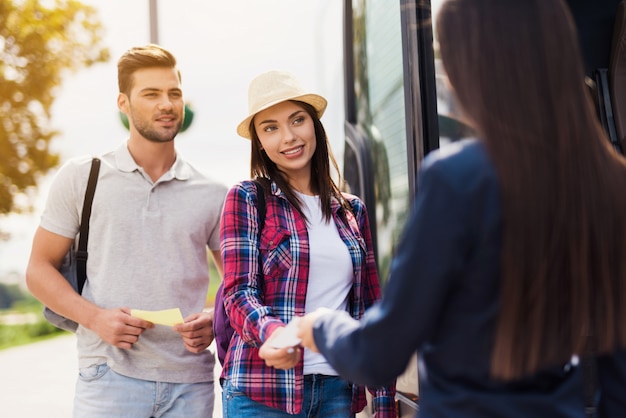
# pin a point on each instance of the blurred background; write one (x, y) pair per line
(58, 92)
(220, 47)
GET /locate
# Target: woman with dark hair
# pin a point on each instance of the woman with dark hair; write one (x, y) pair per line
(312, 249)
(513, 262)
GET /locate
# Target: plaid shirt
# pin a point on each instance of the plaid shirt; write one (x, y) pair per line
(258, 304)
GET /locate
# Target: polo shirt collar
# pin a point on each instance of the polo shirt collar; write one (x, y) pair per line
(125, 162)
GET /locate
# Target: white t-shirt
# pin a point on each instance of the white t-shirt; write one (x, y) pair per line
(330, 273)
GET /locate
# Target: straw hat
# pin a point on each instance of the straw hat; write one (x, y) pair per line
(274, 87)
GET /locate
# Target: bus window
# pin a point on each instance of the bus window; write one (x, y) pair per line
(376, 119)
(376, 162)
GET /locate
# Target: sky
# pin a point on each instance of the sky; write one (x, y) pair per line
(220, 46)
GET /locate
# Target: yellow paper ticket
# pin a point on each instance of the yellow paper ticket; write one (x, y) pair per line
(168, 317)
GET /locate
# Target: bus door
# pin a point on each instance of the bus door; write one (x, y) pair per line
(390, 124)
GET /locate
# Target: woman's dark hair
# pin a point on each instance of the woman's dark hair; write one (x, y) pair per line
(518, 74)
(321, 181)
(137, 58)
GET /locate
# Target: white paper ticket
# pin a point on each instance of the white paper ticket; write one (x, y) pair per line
(288, 337)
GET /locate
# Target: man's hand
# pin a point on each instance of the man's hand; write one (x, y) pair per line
(196, 331)
(118, 328)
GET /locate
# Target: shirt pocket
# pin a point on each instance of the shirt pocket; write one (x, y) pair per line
(275, 252)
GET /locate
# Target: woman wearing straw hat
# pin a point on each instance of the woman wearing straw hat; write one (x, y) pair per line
(314, 250)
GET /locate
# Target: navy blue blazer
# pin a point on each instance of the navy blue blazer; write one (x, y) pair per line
(442, 300)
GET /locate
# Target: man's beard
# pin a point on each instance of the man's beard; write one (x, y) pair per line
(154, 135)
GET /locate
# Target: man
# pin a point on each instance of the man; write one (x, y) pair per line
(153, 216)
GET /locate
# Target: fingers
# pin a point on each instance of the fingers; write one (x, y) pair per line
(126, 341)
(197, 342)
(118, 328)
(195, 322)
(305, 331)
(196, 331)
(280, 358)
(196, 347)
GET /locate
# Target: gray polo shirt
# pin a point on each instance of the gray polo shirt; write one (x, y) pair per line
(147, 250)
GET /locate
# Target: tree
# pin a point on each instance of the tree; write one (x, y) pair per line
(40, 41)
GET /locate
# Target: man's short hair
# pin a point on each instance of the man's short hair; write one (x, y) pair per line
(136, 58)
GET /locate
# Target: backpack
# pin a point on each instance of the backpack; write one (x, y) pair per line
(222, 330)
(74, 265)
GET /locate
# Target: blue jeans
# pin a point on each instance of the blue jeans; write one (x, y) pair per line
(100, 392)
(324, 397)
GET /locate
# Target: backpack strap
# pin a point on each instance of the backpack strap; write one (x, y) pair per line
(260, 193)
(81, 253)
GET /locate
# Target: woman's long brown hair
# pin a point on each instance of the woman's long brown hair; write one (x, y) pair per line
(518, 73)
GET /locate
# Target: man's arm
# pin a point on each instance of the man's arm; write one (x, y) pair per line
(44, 280)
(115, 326)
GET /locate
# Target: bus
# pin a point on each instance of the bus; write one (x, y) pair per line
(398, 109)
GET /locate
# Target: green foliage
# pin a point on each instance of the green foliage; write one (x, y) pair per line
(40, 40)
(27, 303)
(9, 294)
(24, 323)
(14, 335)
(21, 318)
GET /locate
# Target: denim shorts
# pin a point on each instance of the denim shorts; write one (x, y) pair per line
(324, 397)
(100, 392)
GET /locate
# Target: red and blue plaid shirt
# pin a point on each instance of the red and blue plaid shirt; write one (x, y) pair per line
(257, 304)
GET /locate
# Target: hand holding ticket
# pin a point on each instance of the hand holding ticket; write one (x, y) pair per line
(288, 336)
